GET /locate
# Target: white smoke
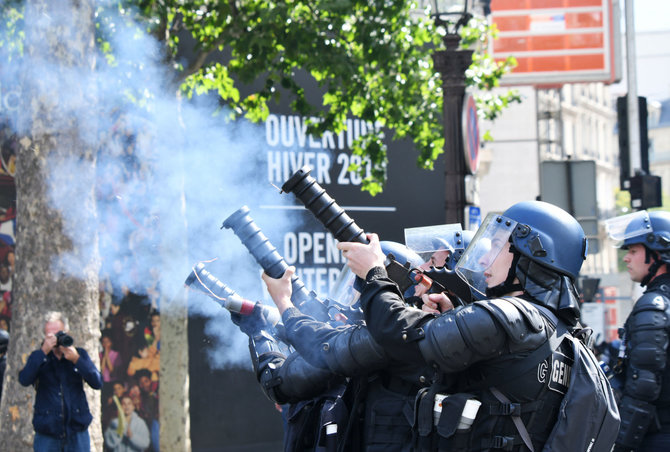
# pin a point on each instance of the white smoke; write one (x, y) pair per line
(132, 105)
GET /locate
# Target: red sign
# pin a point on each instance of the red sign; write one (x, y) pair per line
(612, 311)
(556, 41)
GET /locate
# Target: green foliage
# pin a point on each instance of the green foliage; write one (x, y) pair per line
(622, 201)
(372, 59)
(11, 25)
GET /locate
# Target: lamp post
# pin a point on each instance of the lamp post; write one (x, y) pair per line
(452, 64)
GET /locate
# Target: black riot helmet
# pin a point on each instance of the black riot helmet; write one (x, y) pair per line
(549, 236)
(429, 240)
(651, 229)
(345, 291)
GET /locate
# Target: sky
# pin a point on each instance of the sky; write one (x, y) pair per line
(653, 58)
(650, 15)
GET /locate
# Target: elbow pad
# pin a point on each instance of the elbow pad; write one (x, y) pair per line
(482, 330)
(263, 349)
(296, 380)
(354, 352)
(285, 380)
(642, 384)
(636, 416)
(457, 338)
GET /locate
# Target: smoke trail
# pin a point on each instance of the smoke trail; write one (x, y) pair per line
(148, 146)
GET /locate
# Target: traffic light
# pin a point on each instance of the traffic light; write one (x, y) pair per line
(645, 192)
(624, 151)
(588, 287)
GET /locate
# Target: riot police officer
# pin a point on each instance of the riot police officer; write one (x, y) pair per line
(531, 255)
(380, 389)
(311, 379)
(645, 402)
(332, 365)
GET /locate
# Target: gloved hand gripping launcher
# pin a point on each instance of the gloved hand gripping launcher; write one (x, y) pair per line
(344, 229)
(272, 262)
(335, 219)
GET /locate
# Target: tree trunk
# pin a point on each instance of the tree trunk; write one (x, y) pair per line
(175, 424)
(56, 239)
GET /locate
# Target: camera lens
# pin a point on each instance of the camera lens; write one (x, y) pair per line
(64, 339)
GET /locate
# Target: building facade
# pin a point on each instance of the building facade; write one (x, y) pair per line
(576, 122)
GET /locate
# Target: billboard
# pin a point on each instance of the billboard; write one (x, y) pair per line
(558, 41)
(227, 405)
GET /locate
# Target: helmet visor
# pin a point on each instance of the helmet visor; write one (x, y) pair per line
(343, 292)
(625, 227)
(483, 250)
(432, 243)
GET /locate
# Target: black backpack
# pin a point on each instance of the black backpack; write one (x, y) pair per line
(588, 419)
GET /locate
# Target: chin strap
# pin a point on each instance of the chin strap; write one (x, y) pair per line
(648, 256)
(508, 285)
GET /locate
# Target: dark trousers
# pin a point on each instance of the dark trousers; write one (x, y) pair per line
(77, 442)
(655, 442)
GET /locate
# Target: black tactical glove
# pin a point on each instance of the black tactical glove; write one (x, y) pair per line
(253, 323)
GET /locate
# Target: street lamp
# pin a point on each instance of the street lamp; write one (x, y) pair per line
(452, 64)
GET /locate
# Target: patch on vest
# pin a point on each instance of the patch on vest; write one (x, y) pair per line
(542, 370)
(561, 369)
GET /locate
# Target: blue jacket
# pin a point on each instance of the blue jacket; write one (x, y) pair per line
(60, 402)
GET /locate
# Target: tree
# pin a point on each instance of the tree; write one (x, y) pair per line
(55, 269)
(371, 58)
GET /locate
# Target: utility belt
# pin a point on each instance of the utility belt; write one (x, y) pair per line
(446, 422)
(443, 422)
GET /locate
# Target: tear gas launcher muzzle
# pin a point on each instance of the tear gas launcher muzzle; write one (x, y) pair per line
(344, 229)
(272, 262)
(202, 280)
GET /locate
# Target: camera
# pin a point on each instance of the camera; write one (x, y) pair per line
(64, 339)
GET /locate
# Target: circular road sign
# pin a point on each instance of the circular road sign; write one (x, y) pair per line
(470, 126)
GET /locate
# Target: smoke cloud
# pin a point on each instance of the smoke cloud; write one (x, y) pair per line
(155, 154)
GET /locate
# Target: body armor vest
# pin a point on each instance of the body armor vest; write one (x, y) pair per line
(517, 387)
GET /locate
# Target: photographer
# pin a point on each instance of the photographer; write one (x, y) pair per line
(57, 370)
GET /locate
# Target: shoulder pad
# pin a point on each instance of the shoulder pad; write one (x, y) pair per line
(530, 312)
(461, 336)
(515, 318)
(651, 301)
